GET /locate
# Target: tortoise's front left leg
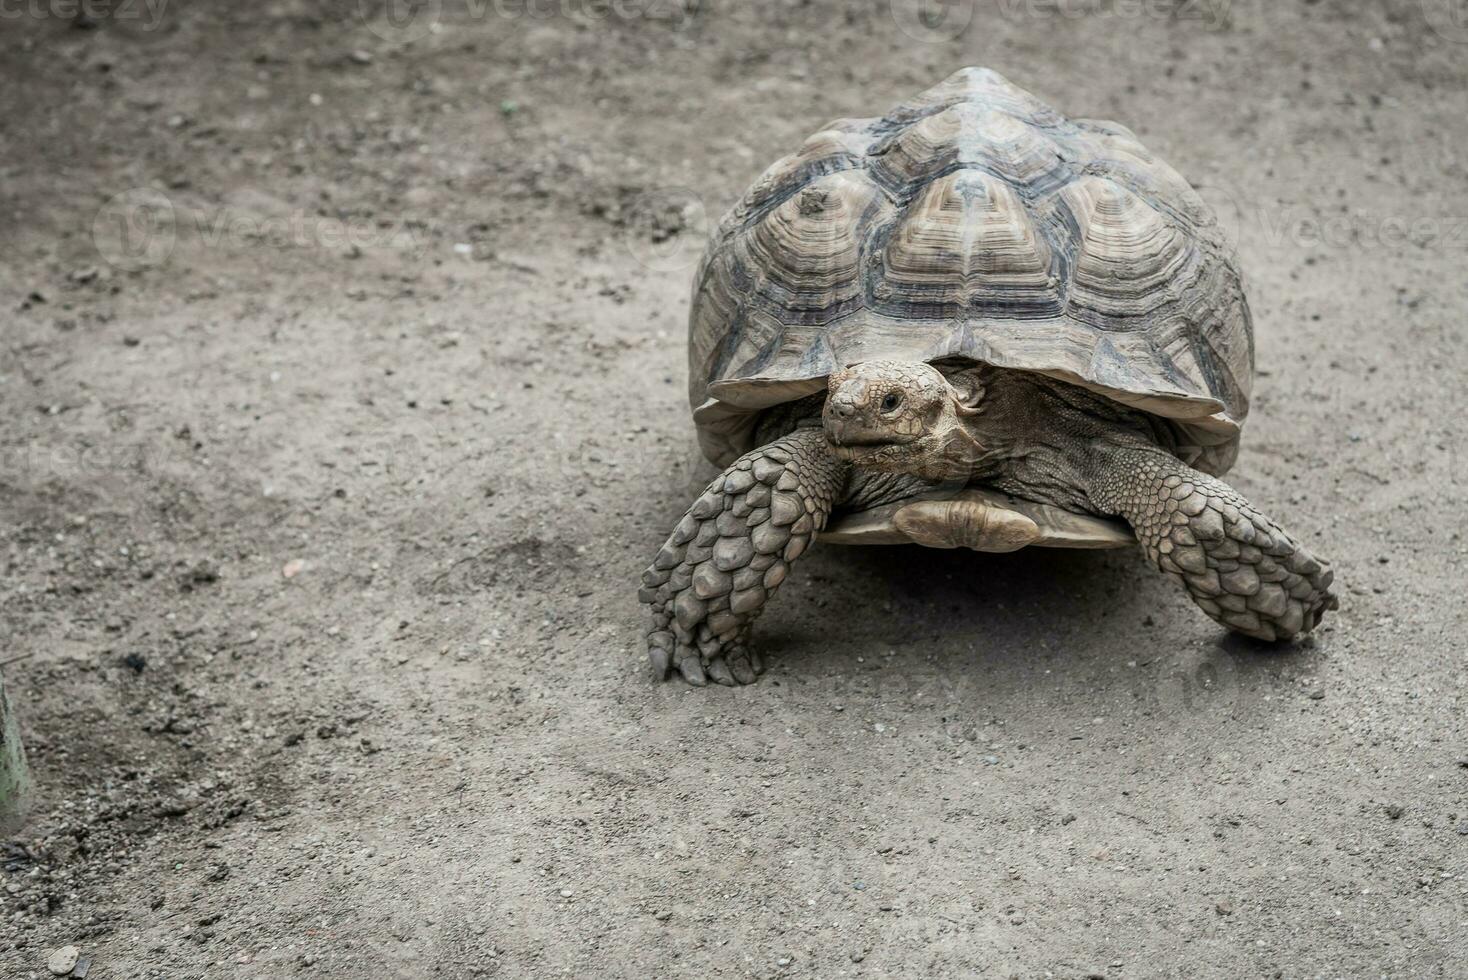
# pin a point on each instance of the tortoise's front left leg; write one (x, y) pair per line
(730, 553)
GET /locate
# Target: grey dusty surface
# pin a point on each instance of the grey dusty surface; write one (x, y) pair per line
(334, 448)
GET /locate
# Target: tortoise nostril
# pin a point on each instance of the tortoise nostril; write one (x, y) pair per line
(843, 409)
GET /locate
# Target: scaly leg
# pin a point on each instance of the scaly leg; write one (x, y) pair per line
(1238, 565)
(730, 553)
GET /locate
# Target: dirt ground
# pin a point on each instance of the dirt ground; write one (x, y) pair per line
(343, 378)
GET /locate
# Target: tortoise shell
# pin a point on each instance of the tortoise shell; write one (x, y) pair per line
(973, 222)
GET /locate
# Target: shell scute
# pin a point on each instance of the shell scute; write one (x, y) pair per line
(806, 253)
(968, 136)
(830, 151)
(1129, 259)
(967, 242)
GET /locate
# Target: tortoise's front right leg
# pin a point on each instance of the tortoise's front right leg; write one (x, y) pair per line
(730, 553)
(1239, 566)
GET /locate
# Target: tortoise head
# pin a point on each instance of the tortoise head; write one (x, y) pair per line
(903, 417)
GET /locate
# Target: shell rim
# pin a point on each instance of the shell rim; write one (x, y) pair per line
(727, 418)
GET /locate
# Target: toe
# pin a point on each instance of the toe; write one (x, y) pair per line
(692, 671)
(741, 667)
(719, 671)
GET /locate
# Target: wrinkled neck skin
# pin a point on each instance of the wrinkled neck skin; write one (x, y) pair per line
(1039, 437)
(1026, 435)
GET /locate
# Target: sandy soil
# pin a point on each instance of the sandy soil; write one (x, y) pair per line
(397, 306)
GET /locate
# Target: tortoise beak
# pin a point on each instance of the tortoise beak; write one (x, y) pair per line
(842, 418)
(853, 435)
(847, 428)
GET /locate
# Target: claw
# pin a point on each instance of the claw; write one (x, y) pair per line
(739, 664)
(661, 660)
(719, 671)
(692, 671)
(755, 661)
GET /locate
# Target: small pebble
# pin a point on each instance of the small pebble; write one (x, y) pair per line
(566, 893)
(1316, 694)
(1223, 908)
(293, 568)
(63, 960)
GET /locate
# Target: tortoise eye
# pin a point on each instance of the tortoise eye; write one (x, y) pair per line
(892, 400)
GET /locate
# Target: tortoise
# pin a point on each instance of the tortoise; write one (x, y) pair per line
(976, 323)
